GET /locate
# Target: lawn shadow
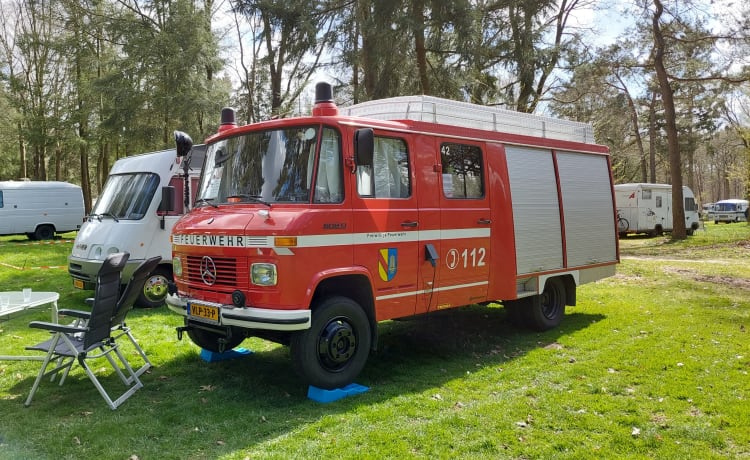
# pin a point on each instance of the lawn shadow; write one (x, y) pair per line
(214, 409)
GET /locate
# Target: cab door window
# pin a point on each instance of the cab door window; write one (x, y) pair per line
(388, 177)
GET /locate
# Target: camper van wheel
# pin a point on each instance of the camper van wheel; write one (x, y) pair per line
(334, 350)
(44, 232)
(547, 310)
(155, 289)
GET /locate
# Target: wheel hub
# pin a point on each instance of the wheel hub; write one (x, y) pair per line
(155, 288)
(337, 343)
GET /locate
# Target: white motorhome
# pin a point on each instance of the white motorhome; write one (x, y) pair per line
(39, 209)
(142, 199)
(647, 208)
(729, 211)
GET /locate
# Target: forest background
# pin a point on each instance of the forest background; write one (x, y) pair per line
(85, 82)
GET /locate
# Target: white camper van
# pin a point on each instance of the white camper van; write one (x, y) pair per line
(647, 208)
(142, 199)
(729, 211)
(39, 209)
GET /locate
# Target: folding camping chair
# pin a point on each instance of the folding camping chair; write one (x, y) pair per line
(70, 343)
(124, 305)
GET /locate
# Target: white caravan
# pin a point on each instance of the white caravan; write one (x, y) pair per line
(142, 199)
(729, 211)
(39, 209)
(647, 208)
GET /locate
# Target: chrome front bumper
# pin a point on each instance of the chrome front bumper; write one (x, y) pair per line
(245, 317)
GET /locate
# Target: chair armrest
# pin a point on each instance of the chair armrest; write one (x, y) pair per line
(75, 313)
(54, 327)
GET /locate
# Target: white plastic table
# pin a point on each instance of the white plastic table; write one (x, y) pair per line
(17, 303)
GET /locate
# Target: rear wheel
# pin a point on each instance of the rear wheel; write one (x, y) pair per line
(44, 232)
(155, 288)
(546, 311)
(334, 350)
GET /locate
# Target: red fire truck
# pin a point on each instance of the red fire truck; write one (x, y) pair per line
(308, 231)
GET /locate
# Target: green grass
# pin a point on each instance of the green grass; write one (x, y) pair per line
(651, 363)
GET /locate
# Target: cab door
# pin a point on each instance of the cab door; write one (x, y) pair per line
(465, 223)
(386, 227)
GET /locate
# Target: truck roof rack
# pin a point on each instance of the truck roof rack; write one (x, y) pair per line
(445, 111)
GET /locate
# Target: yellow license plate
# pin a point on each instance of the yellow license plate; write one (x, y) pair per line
(206, 312)
(78, 284)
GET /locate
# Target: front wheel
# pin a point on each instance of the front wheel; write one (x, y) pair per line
(334, 350)
(547, 310)
(155, 288)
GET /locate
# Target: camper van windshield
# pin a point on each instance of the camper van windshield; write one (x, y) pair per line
(274, 166)
(126, 196)
(726, 207)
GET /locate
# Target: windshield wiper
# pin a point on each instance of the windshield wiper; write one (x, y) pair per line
(209, 201)
(253, 198)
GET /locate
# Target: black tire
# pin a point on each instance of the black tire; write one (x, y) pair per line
(546, 311)
(333, 352)
(155, 288)
(44, 232)
(215, 341)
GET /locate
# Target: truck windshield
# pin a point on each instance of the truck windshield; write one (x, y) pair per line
(274, 166)
(126, 196)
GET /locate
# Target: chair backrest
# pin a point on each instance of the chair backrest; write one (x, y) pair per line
(106, 294)
(133, 289)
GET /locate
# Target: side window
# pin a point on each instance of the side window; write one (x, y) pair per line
(2, 205)
(646, 195)
(389, 176)
(658, 202)
(463, 170)
(328, 182)
(690, 204)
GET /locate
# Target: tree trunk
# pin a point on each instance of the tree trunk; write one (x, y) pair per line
(678, 212)
(652, 139)
(418, 20)
(22, 151)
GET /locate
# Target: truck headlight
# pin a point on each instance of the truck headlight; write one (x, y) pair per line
(177, 266)
(263, 274)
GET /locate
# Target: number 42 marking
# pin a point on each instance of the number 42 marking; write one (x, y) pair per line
(473, 258)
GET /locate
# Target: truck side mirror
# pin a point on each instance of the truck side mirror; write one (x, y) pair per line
(183, 142)
(167, 199)
(167, 202)
(364, 146)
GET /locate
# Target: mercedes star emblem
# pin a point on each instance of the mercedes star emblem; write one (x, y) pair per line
(208, 271)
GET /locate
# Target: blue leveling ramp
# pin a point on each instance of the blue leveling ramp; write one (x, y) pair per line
(326, 396)
(213, 356)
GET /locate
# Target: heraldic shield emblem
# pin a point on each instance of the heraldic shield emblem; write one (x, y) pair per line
(388, 263)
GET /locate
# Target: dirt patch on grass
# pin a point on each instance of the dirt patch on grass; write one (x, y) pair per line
(741, 283)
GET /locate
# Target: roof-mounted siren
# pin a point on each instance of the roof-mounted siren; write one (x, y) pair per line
(227, 119)
(324, 105)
